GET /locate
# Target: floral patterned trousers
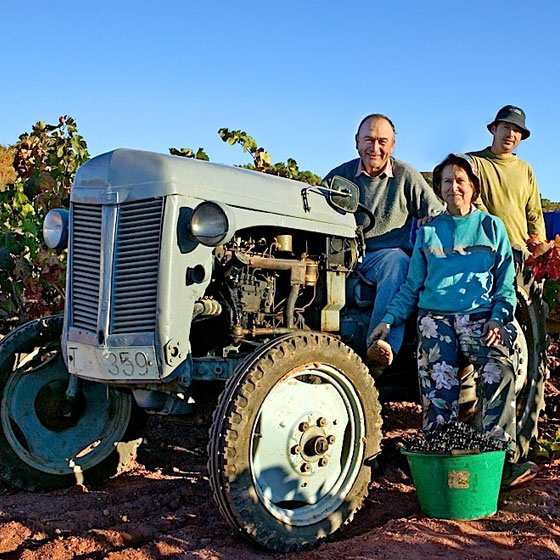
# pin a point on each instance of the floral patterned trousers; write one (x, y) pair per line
(442, 340)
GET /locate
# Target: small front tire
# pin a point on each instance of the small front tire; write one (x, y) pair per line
(292, 442)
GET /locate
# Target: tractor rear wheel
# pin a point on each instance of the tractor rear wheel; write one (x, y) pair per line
(48, 440)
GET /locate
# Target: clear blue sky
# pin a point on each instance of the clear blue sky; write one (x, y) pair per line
(297, 76)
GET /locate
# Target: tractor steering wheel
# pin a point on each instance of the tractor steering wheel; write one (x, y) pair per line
(369, 215)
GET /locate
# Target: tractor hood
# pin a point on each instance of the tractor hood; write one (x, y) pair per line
(125, 175)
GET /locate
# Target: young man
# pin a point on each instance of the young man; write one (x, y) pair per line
(395, 193)
(510, 191)
(509, 187)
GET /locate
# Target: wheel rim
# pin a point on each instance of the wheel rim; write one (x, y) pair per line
(520, 359)
(56, 444)
(307, 444)
(527, 391)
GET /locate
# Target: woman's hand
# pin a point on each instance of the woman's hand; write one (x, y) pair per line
(492, 332)
(381, 331)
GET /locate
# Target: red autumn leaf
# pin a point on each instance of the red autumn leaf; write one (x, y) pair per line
(33, 291)
(542, 248)
(38, 309)
(553, 263)
(538, 268)
(533, 242)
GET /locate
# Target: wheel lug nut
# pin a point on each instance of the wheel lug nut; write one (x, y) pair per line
(321, 422)
(305, 468)
(323, 461)
(303, 427)
(296, 449)
(331, 439)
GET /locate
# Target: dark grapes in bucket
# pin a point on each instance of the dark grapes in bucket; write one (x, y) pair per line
(452, 437)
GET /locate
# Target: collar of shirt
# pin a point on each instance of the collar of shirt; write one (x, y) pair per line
(492, 155)
(387, 171)
(472, 209)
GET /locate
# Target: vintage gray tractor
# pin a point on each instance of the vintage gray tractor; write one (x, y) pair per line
(186, 275)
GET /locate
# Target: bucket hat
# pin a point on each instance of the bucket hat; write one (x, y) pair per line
(514, 115)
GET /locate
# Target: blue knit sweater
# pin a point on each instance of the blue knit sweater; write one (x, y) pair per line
(460, 265)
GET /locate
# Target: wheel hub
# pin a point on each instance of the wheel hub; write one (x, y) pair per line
(312, 446)
(53, 408)
(316, 446)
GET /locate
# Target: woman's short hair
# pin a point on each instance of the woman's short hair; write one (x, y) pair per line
(463, 161)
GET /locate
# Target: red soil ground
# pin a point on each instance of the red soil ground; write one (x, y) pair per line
(161, 509)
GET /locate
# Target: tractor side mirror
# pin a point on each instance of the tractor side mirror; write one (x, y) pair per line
(343, 194)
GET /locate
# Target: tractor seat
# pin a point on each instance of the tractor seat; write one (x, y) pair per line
(360, 292)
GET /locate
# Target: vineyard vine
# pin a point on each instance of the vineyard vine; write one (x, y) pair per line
(32, 277)
(36, 175)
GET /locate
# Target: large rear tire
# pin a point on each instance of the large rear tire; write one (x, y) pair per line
(45, 443)
(292, 442)
(531, 314)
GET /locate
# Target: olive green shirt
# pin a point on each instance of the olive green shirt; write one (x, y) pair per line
(510, 191)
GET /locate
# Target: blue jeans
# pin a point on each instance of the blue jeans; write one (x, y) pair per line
(387, 269)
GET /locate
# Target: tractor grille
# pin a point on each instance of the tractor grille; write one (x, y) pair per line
(135, 273)
(86, 265)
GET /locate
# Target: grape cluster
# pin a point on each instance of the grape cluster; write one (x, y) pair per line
(452, 436)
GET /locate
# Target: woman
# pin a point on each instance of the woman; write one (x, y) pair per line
(461, 276)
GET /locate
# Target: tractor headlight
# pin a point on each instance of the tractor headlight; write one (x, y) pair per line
(55, 228)
(212, 223)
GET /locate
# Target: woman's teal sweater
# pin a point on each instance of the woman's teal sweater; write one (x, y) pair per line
(460, 265)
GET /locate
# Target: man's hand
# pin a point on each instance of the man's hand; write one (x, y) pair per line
(492, 332)
(423, 221)
(381, 331)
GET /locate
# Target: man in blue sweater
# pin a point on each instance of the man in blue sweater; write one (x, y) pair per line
(395, 193)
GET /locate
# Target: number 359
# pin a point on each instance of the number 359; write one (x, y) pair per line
(124, 363)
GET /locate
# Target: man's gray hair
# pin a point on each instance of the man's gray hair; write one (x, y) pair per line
(376, 116)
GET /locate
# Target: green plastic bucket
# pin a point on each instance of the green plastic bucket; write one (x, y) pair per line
(457, 486)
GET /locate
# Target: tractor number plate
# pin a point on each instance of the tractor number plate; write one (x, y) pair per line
(132, 364)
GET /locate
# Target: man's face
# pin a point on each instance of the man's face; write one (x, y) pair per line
(375, 142)
(506, 137)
